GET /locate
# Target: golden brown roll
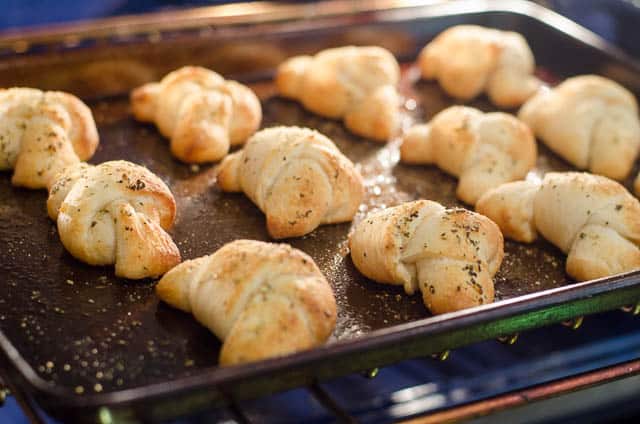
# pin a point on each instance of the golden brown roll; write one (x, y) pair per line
(592, 219)
(42, 132)
(450, 255)
(590, 121)
(297, 177)
(356, 84)
(468, 60)
(202, 113)
(483, 150)
(115, 213)
(262, 300)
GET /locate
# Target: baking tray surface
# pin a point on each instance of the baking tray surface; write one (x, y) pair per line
(79, 337)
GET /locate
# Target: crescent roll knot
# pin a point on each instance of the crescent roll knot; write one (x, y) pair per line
(199, 111)
(450, 255)
(483, 150)
(297, 177)
(115, 213)
(261, 299)
(468, 60)
(42, 132)
(356, 84)
(590, 121)
(592, 219)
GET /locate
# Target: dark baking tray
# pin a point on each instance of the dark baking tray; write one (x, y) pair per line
(68, 328)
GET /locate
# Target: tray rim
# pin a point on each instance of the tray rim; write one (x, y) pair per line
(372, 340)
(393, 10)
(69, 35)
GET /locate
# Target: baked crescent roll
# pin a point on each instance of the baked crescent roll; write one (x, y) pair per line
(590, 121)
(356, 84)
(261, 299)
(202, 113)
(468, 60)
(593, 219)
(115, 213)
(297, 177)
(450, 255)
(41, 132)
(483, 150)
